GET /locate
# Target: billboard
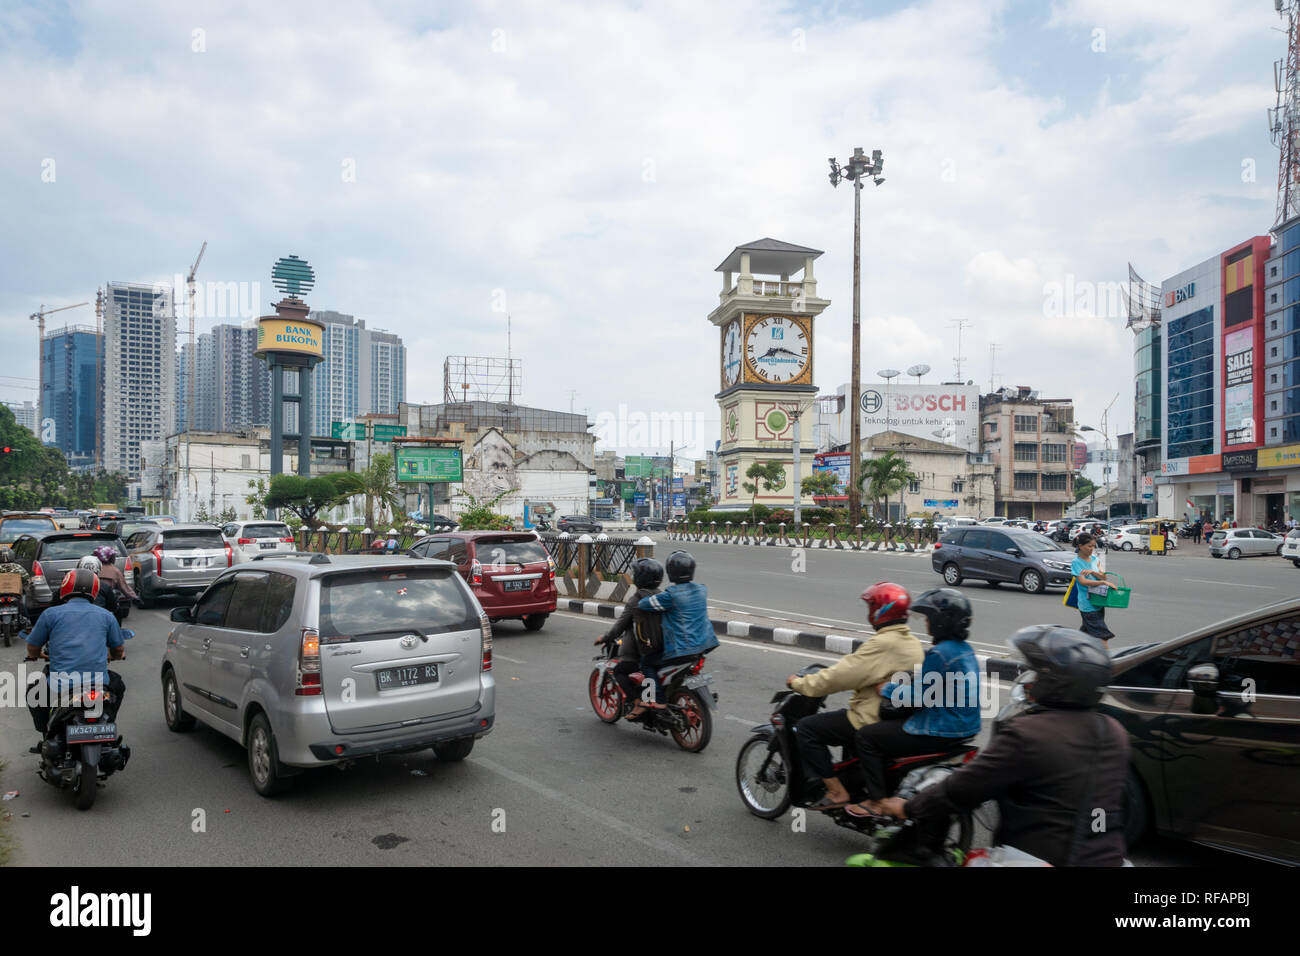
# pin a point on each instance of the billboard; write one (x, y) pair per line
(838, 464)
(302, 336)
(949, 414)
(424, 463)
(1239, 387)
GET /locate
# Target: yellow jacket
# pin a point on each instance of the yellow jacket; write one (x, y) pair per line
(893, 648)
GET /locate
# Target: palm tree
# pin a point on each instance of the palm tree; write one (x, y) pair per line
(881, 477)
(379, 485)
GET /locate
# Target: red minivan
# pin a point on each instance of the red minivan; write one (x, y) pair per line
(509, 572)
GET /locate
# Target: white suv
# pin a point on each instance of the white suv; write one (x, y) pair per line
(247, 539)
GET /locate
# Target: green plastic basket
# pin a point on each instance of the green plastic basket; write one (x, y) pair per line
(1117, 595)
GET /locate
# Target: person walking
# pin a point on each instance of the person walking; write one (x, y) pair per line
(1089, 582)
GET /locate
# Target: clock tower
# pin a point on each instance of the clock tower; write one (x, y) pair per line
(765, 324)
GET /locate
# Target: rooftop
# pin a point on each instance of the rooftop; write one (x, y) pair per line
(769, 257)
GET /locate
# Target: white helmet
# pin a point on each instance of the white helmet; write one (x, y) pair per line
(90, 563)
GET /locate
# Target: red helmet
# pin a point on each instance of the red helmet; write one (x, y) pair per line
(81, 582)
(887, 603)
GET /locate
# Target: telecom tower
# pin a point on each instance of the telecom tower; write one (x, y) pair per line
(1284, 118)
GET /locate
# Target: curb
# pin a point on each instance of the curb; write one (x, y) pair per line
(785, 636)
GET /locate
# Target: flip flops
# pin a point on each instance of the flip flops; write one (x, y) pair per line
(826, 803)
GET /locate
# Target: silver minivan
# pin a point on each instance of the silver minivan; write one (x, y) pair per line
(182, 559)
(312, 660)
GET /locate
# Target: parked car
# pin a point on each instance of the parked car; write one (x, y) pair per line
(309, 662)
(964, 520)
(1239, 542)
(993, 520)
(510, 573)
(14, 523)
(441, 523)
(1291, 547)
(578, 523)
(250, 538)
(182, 559)
(1135, 537)
(1211, 718)
(651, 524)
(998, 555)
(48, 555)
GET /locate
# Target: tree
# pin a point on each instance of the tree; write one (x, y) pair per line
(819, 484)
(306, 497)
(1083, 486)
(379, 485)
(881, 477)
(769, 474)
(256, 497)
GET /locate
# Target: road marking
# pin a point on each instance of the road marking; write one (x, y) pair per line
(502, 657)
(1262, 587)
(786, 616)
(742, 720)
(756, 645)
(599, 816)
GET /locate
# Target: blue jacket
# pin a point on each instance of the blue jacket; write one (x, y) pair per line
(79, 635)
(687, 628)
(949, 707)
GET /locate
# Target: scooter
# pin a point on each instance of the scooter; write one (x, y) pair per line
(686, 714)
(771, 778)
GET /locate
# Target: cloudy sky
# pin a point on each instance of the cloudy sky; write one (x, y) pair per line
(585, 167)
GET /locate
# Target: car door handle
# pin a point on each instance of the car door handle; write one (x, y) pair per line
(244, 649)
(207, 642)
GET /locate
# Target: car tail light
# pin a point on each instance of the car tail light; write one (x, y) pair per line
(246, 541)
(157, 557)
(476, 574)
(485, 629)
(550, 565)
(230, 557)
(288, 540)
(938, 545)
(37, 570)
(309, 664)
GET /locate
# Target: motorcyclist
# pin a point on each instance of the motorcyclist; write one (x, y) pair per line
(684, 604)
(80, 638)
(893, 648)
(940, 721)
(9, 566)
(1057, 771)
(110, 574)
(639, 634)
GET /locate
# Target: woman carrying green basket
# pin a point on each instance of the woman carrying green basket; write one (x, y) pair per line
(1089, 588)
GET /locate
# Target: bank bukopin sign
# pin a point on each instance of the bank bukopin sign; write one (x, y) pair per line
(300, 336)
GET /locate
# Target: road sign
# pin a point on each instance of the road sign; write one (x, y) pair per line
(419, 463)
(354, 431)
(389, 432)
(637, 466)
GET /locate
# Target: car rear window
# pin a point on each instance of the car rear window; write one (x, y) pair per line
(500, 552)
(13, 527)
(67, 549)
(193, 538)
(265, 531)
(381, 601)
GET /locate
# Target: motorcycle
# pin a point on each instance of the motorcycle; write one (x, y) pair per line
(686, 715)
(771, 778)
(11, 617)
(81, 746)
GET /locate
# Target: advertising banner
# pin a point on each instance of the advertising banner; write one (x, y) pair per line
(948, 414)
(1279, 457)
(1148, 487)
(302, 336)
(637, 466)
(1239, 387)
(838, 464)
(1239, 460)
(940, 503)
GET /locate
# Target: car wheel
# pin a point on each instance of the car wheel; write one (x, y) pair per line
(454, 750)
(1127, 546)
(1296, 562)
(534, 622)
(1135, 809)
(1234, 553)
(951, 574)
(1032, 582)
(146, 603)
(263, 761)
(173, 711)
(1279, 550)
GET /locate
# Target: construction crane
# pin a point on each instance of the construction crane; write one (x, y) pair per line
(189, 368)
(39, 315)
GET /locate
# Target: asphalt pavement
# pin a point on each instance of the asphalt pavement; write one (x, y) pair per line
(551, 785)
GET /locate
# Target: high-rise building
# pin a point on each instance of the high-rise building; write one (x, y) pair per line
(71, 398)
(232, 386)
(363, 372)
(139, 372)
(25, 415)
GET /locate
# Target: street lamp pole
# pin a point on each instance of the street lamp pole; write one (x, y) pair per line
(856, 169)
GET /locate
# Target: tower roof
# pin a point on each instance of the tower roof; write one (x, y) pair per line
(769, 257)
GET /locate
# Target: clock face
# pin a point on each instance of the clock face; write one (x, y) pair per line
(777, 349)
(731, 354)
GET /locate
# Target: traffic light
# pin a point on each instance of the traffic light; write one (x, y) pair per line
(8, 449)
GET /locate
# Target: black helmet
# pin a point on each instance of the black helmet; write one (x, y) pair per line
(1070, 668)
(681, 567)
(948, 611)
(647, 573)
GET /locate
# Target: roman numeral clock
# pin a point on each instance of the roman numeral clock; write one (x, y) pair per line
(765, 321)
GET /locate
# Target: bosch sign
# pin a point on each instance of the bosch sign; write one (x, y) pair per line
(871, 402)
(946, 413)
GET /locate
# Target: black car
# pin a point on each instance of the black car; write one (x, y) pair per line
(578, 523)
(441, 523)
(1211, 719)
(48, 556)
(1014, 555)
(651, 524)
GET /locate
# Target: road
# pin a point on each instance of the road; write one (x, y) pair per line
(560, 786)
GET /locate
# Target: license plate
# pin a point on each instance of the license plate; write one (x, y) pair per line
(266, 545)
(517, 585)
(194, 562)
(91, 733)
(698, 680)
(391, 677)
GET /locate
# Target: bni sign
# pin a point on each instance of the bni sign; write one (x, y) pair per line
(1180, 295)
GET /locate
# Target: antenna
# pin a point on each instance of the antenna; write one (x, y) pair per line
(993, 350)
(958, 324)
(1284, 118)
(573, 392)
(510, 388)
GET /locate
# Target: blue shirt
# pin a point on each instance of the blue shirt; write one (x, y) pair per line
(687, 628)
(950, 707)
(79, 635)
(1077, 567)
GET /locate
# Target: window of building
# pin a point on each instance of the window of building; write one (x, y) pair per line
(958, 486)
(1026, 481)
(1026, 451)
(1053, 454)
(1057, 481)
(913, 487)
(1026, 423)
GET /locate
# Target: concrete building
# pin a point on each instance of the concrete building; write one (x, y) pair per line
(25, 415)
(363, 372)
(139, 372)
(71, 398)
(949, 481)
(1028, 441)
(232, 386)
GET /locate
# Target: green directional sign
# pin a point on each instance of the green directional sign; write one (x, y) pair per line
(389, 432)
(355, 431)
(421, 463)
(637, 466)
